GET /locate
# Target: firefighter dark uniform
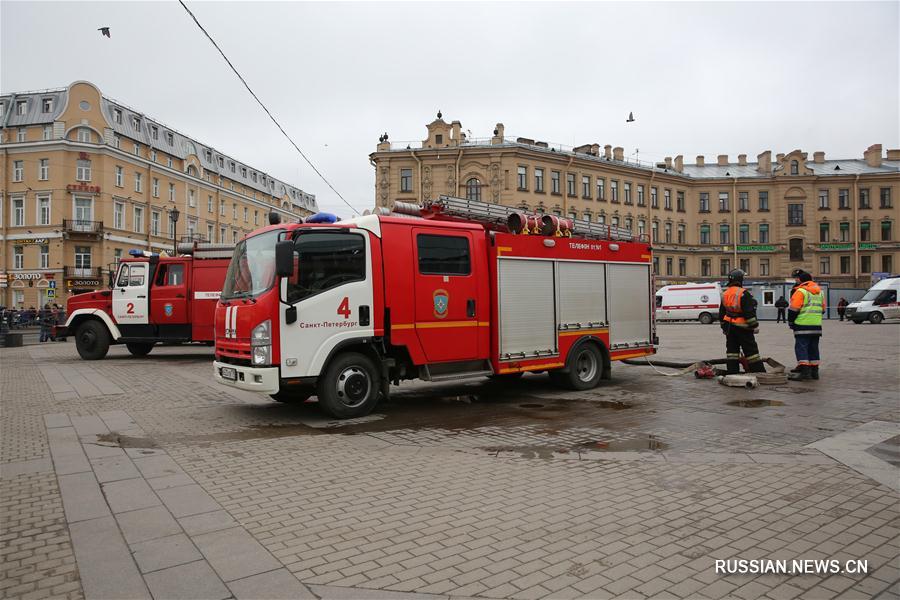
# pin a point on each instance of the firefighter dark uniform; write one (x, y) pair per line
(737, 314)
(805, 318)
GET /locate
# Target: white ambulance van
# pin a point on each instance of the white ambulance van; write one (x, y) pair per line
(879, 303)
(689, 302)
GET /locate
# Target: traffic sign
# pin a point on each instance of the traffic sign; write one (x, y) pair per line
(52, 283)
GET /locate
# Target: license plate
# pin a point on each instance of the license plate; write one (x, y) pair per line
(228, 373)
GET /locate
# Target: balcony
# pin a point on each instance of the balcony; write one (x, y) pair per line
(82, 227)
(82, 272)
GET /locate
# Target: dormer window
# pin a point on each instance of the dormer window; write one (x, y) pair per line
(253, 176)
(170, 138)
(439, 139)
(136, 123)
(154, 132)
(208, 155)
(795, 167)
(21, 106)
(47, 105)
(232, 167)
(221, 162)
(117, 115)
(244, 172)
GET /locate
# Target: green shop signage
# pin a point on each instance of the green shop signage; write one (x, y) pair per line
(763, 248)
(863, 246)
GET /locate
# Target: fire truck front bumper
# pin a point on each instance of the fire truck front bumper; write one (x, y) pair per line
(252, 379)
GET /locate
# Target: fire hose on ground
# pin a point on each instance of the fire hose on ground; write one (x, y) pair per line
(703, 369)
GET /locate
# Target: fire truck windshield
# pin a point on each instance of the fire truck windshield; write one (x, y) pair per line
(252, 268)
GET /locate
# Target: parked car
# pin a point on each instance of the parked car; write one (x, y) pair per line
(879, 303)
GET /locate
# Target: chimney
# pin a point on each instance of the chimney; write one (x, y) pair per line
(607, 151)
(893, 154)
(873, 155)
(779, 157)
(818, 157)
(595, 149)
(618, 153)
(679, 163)
(764, 161)
(722, 160)
(498, 134)
(700, 160)
(742, 160)
(668, 162)
(456, 129)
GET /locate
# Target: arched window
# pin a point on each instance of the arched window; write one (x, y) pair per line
(192, 171)
(473, 189)
(795, 167)
(85, 135)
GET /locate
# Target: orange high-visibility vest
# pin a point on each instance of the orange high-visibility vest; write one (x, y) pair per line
(731, 300)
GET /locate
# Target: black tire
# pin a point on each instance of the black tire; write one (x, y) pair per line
(857, 321)
(350, 386)
(139, 348)
(584, 369)
(706, 318)
(876, 318)
(291, 396)
(92, 340)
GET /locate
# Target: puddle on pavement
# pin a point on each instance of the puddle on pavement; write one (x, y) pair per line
(116, 440)
(867, 392)
(650, 442)
(755, 403)
(528, 451)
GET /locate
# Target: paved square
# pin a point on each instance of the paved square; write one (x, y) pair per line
(140, 478)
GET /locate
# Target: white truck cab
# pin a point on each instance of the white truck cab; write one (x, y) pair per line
(879, 303)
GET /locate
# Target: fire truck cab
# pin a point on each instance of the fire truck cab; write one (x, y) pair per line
(342, 310)
(151, 299)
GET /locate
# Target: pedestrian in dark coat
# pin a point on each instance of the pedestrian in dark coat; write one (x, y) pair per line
(781, 304)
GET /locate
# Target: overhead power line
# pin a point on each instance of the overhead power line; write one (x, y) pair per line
(255, 97)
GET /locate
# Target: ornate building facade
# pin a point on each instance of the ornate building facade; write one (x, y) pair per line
(84, 179)
(836, 218)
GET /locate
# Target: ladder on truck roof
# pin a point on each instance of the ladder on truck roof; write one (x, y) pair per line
(201, 250)
(507, 218)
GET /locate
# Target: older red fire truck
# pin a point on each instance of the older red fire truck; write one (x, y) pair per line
(151, 299)
(468, 289)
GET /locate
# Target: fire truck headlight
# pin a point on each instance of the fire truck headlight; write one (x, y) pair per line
(261, 343)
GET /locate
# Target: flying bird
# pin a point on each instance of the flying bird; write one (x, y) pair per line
(630, 118)
(104, 31)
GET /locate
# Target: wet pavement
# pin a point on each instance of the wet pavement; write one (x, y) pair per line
(486, 488)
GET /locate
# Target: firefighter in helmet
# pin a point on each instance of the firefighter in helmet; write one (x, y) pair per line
(737, 314)
(805, 318)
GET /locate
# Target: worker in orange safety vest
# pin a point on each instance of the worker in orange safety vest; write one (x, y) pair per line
(805, 318)
(737, 315)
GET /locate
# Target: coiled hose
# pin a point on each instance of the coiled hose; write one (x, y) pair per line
(776, 376)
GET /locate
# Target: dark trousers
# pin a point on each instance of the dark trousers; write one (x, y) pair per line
(841, 312)
(780, 318)
(806, 348)
(736, 340)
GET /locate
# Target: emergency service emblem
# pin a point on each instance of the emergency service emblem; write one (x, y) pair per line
(704, 298)
(168, 308)
(441, 303)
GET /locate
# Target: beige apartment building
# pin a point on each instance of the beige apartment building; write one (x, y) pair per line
(84, 179)
(836, 218)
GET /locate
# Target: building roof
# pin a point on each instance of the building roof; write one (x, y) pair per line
(141, 128)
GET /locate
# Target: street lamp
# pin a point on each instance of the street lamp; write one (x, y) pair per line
(173, 216)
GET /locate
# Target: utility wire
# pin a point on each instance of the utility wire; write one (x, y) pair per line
(255, 97)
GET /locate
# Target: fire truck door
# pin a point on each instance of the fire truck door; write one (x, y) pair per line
(130, 294)
(447, 302)
(168, 297)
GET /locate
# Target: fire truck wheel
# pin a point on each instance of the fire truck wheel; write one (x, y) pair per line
(140, 348)
(706, 318)
(92, 340)
(584, 369)
(349, 387)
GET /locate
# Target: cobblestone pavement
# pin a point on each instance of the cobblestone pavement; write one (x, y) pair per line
(139, 478)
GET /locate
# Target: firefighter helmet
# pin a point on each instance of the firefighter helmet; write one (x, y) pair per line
(736, 277)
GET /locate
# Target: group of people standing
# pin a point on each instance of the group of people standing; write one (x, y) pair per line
(45, 318)
(737, 314)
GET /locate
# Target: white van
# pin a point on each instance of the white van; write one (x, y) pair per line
(689, 302)
(879, 303)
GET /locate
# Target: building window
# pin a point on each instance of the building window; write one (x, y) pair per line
(18, 257)
(153, 155)
(724, 234)
(845, 231)
(44, 169)
(138, 182)
(48, 132)
(522, 178)
(795, 214)
(743, 201)
(667, 199)
(246, 215)
(654, 231)
(640, 194)
(169, 164)
(704, 202)
(554, 182)
(656, 265)
(823, 199)
(824, 233)
(20, 134)
(117, 115)
(43, 209)
(601, 189)
(795, 167)
(844, 199)
(669, 265)
(18, 170)
(154, 222)
(222, 207)
(865, 264)
(170, 139)
(119, 215)
(763, 233)
(405, 180)
(539, 180)
(473, 189)
(764, 201)
(155, 187)
(885, 198)
(21, 105)
(681, 233)
(886, 263)
(192, 198)
(586, 186)
(209, 204)
(83, 261)
(47, 105)
(570, 184)
(138, 219)
(137, 149)
(825, 265)
(120, 176)
(627, 190)
(210, 232)
(845, 265)
(629, 222)
(654, 198)
(256, 217)
(18, 211)
(222, 236)
(743, 234)
(82, 170)
(682, 267)
(154, 132)
(724, 267)
(865, 234)
(45, 256)
(764, 267)
(886, 234)
(864, 198)
(667, 233)
(705, 267)
(724, 204)
(744, 265)
(679, 201)
(704, 234)
(642, 227)
(234, 211)
(172, 192)
(613, 190)
(795, 246)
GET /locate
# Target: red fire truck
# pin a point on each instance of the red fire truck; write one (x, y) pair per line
(151, 299)
(468, 289)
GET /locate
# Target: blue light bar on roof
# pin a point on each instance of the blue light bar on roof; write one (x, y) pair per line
(323, 217)
(137, 252)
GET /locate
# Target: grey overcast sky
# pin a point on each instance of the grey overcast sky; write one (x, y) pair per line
(702, 78)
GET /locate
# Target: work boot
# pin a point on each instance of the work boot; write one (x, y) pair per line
(796, 369)
(814, 372)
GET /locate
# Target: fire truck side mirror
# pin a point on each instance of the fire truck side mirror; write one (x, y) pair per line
(284, 258)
